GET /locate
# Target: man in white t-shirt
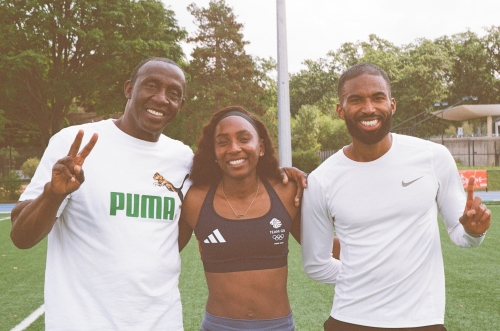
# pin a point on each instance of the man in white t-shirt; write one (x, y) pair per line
(381, 196)
(112, 259)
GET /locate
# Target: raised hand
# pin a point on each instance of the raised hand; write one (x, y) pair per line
(298, 177)
(67, 173)
(476, 218)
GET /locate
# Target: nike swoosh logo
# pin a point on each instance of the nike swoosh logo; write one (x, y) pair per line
(408, 183)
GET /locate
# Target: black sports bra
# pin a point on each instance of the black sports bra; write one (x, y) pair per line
(228, 245)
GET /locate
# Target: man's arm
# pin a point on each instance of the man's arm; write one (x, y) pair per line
(32, 220)
(185, 233)
(317, 237)
(190, 212)
(299, 177)
(464, 226)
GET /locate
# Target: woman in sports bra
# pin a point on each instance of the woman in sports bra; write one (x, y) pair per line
(242, 215)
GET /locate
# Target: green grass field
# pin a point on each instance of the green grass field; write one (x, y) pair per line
(472, 279)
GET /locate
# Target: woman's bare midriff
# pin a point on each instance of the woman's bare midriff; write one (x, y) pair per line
(253, 295)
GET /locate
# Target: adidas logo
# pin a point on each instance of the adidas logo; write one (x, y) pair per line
(215, 238)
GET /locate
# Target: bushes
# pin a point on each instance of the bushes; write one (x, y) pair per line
(29, 166)
(10, 185)
(306, 161)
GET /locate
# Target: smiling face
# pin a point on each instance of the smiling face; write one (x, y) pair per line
(237, 147)
(155, 98)
(367, 108)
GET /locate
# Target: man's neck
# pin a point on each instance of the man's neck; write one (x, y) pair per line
(360, 152)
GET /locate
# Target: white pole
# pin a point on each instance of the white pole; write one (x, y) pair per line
(284, 130)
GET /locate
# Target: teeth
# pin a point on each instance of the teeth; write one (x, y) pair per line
(369, 123)
(156, 113)
(234, 162)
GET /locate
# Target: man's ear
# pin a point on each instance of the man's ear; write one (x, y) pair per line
(127, 89)
(340, 111)
(393, 105)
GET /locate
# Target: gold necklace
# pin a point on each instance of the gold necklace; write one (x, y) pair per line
(251, 203)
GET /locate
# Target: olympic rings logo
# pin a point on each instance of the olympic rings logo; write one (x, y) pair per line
(278, 237)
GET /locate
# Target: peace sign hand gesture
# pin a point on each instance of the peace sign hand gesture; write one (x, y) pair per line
(476, 218)
(67, 173)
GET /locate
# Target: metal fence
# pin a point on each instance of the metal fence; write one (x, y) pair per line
(12, 158)
(473, 151)
(325, 154)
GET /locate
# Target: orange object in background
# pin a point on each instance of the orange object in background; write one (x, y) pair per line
(481, 177)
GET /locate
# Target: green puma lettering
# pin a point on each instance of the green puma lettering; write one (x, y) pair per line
(148, 206)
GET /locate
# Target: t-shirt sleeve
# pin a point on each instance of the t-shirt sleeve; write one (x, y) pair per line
(451, 198)
(188, 155)
(317, 232)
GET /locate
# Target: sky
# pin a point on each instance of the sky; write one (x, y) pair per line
(315, 27)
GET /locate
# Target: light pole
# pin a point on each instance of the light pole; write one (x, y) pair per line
(284, 130)
(441, 104)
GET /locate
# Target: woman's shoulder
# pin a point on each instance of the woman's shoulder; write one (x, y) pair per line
(196, 192)
(286, 192)
(192, 203)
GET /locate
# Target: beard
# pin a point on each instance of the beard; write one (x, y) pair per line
(369, 137)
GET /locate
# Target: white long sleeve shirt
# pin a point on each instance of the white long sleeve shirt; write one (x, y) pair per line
(384, 213)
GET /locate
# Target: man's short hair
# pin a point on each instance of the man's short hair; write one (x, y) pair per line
(358, 70)
(133, 76)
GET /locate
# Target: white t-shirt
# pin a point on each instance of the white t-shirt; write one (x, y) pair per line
(113, 261)
(384, 213)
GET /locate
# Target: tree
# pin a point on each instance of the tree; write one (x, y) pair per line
(59, 52)
(2, 126)
(492, 41)
(305, 129)
(270, 119)
(220, 73)
(421, 81)
(333, 133)
(29, 166)
(473, 68)
(312, 85)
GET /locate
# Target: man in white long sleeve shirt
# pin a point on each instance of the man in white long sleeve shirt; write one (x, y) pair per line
(381, 195)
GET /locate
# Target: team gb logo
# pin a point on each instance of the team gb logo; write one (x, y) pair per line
(276, 223)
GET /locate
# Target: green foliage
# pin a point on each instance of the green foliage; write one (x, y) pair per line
(312, 85)
(305, 129)
(450, 130)
(306, 161)
(220, 73)
(29, 166)
(9, 156)
(333, 133)
(56, 53)
(492, 43)
(270, 119)
(10, 185)
(472, 71)
(2, 126)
